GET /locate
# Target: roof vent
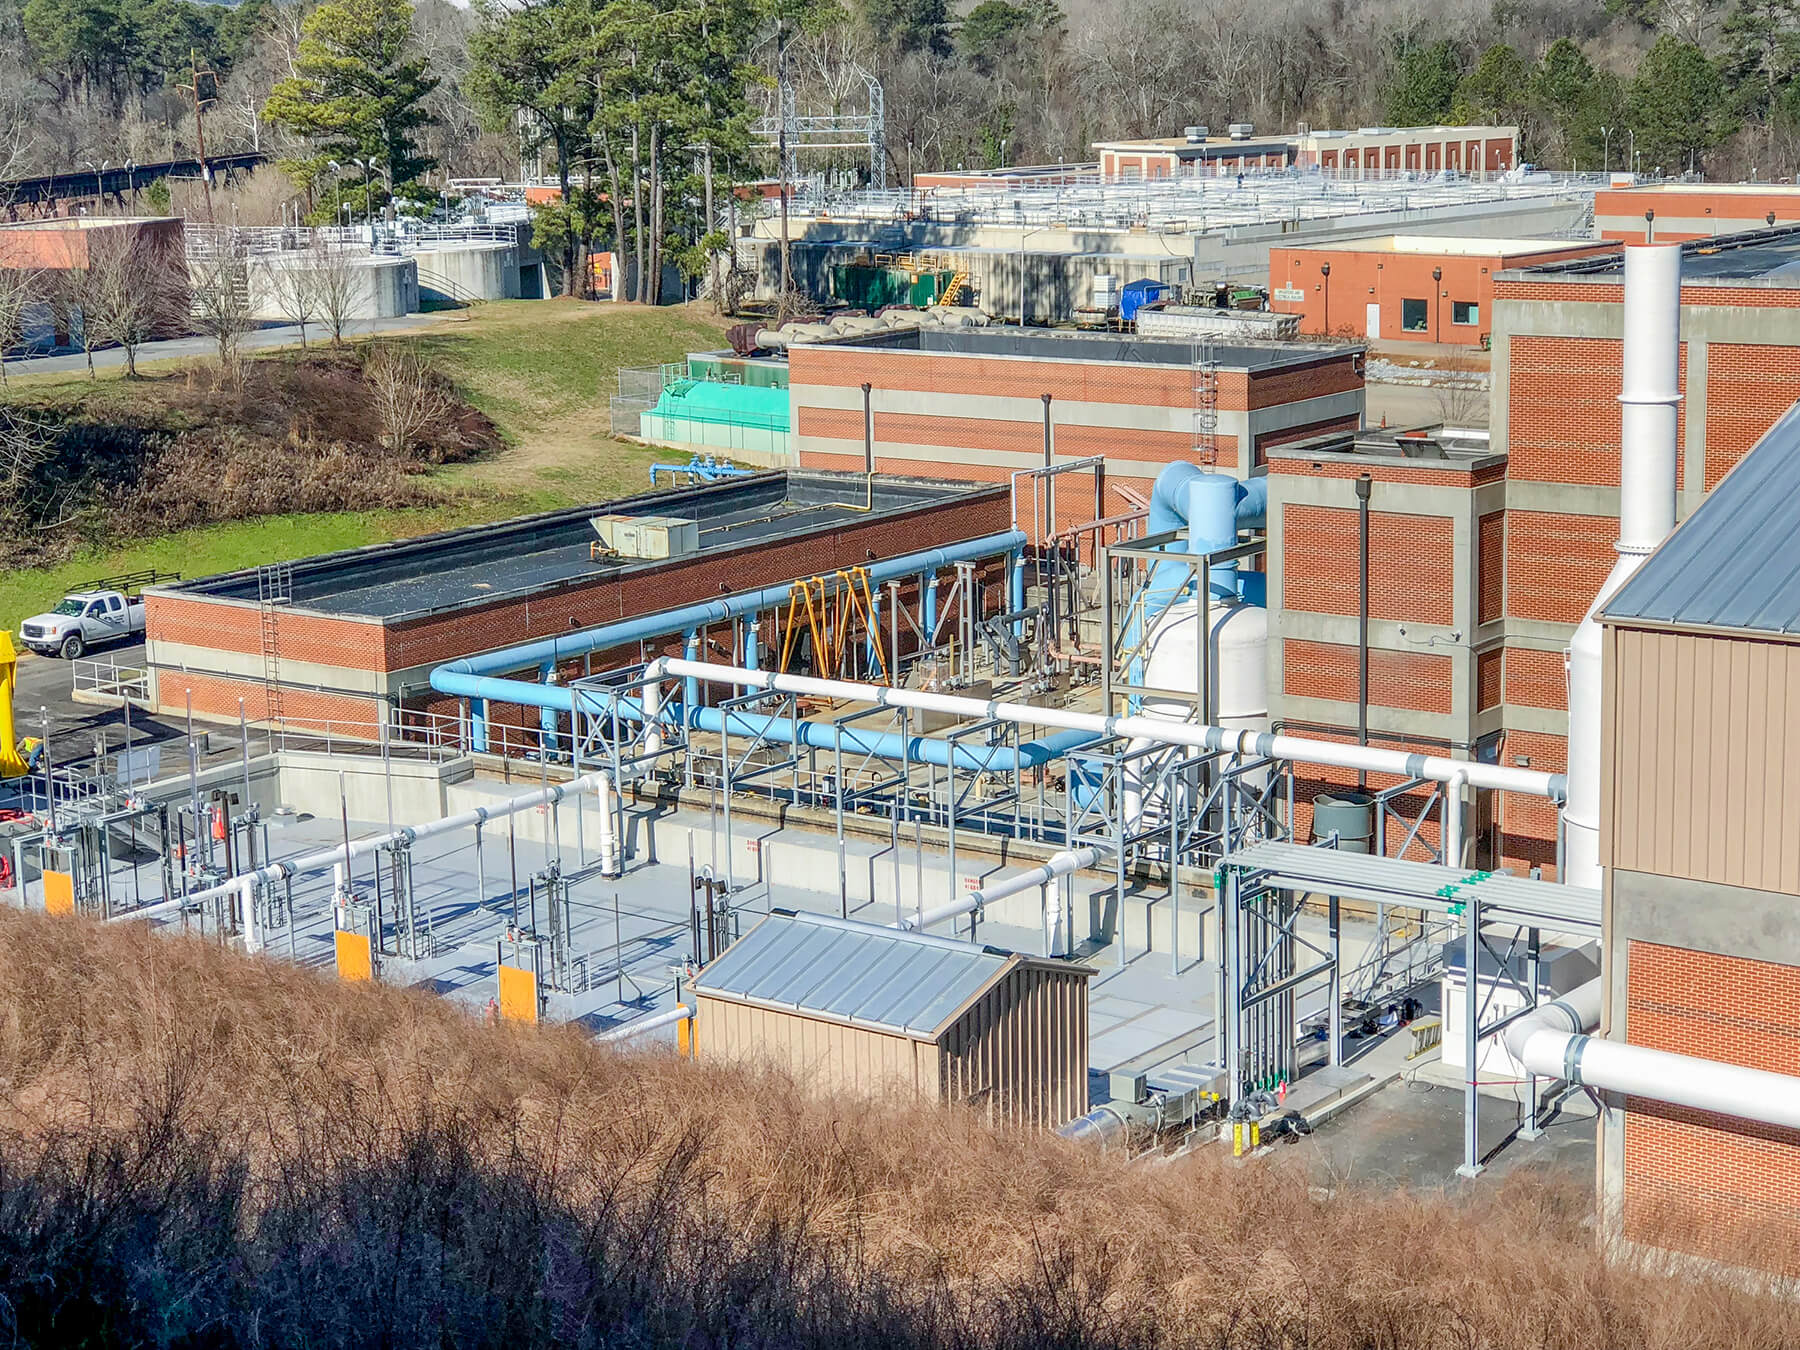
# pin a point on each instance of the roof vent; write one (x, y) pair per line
(1196, 135)
(1241, 131)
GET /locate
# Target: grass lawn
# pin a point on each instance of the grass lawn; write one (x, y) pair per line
(542, 370)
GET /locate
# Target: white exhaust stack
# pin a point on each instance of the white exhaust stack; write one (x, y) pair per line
(1648, 400)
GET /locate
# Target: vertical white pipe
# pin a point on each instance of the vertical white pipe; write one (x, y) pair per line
(1647, 421)
(247, 902)
(609, 826)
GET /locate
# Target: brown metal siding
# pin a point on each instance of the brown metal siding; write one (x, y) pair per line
(1020, 1051)
(1703, 758)
(827, 1055)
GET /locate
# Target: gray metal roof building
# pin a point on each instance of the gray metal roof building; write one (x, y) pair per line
(1735, 562)
(856, 1007)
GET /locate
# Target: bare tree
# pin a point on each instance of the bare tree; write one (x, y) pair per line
(222, 309)
(409, 398)
(338, 281)
(20, 288)
(133, 290)
(294, 287)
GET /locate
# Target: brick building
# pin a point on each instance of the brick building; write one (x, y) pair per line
(1404, 288)
(1436, 503)
(1671, 213)
(1369, 152)
(1555, 415)
(364, 628)
(1701, 659)
(969, 403)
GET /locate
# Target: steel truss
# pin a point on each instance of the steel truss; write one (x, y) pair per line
(1266, 959)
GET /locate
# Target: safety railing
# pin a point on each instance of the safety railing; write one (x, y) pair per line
(104, 677)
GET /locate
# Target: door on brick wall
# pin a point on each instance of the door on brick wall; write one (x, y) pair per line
(1372, 322)
(1484, 823)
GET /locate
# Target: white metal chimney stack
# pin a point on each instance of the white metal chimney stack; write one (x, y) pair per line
(1648, 399)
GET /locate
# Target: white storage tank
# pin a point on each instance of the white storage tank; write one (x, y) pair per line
(1238, 657)
(1106, 291)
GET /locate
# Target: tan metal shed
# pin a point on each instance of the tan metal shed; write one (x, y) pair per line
(850, 1006)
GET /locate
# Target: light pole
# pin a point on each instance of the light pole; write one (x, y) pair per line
(1003, 152)
(1325, 289)
(1634, 155)
(1437, 301)
(1605, 149)
(1650, 227)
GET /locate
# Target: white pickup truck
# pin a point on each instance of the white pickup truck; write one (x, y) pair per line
(83, 619)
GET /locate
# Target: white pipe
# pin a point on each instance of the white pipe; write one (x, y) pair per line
(607, 800)
(679, 1013)
(1552, 1040)
(1576, 1011)
(1648, 399)
(1160, 729)
(1680, 1080)
(1060, 865)
(247, 903)
(360, 848)
(1453, 819)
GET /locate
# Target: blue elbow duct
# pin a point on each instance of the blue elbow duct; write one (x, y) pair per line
(1210, 508)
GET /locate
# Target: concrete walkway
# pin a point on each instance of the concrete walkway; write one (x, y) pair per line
(199, 348)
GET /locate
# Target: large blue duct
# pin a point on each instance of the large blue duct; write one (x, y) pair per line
(484, 677)
(1210, 508)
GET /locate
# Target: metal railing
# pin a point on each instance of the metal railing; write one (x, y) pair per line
(207, 242)
(104, 677)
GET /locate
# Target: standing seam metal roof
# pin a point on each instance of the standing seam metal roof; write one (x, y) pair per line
(884, 979)
(1733, 563)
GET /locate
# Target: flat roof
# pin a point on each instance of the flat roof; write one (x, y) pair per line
(1463, 449)
(1294, 137)
(1067, 345)
(1710, 189)
(530, 554)
(1768, 257)
(1450, 245)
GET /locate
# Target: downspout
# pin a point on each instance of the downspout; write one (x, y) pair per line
(1647, 436)
(1364, 487)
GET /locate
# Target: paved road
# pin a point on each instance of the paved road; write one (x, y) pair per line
(44, 683)
(194, 348)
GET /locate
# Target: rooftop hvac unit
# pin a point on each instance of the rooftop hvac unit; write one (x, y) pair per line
(1196, 135)
(1241, 131)
(647, 538)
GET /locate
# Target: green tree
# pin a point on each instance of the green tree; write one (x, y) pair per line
(1675, 105)
(909, 25)
(1497, 92)
(358, 92)
(528, 73)
(1582, 108)
(990, 32)
(1761, 51)
(82, 46)
(1424, 84)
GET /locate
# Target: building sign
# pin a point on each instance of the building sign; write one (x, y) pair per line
(1293, 294)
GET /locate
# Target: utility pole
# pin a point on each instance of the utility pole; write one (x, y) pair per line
(781, 100)
(193, 92)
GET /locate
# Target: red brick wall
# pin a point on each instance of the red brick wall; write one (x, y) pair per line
(1488, 682)
(237, 627)
(1411, 564)
(216, 697)
(1748, 388)
(999, 434)
(1555, 563)
(1413, 680)
(1536, 679)
(1563, 419)
(1528, 824)
(1490, 567)
(1693, 1180)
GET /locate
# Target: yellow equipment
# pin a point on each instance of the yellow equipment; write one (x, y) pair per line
(17, 757)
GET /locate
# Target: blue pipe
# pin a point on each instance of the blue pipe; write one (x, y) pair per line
(824, 736)
(1017, 594)
(752, 655)
(461, 677)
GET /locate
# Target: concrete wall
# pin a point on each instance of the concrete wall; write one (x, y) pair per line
(386, 287)
(471, 272)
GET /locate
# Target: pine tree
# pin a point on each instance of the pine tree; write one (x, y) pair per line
(358, 91)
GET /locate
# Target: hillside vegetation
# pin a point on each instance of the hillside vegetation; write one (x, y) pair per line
(198, 1149)
(170, 472)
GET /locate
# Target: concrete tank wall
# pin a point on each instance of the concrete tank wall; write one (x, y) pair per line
(467, 272)
(386, 287)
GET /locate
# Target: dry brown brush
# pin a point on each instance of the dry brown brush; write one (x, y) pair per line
(199, 1149)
